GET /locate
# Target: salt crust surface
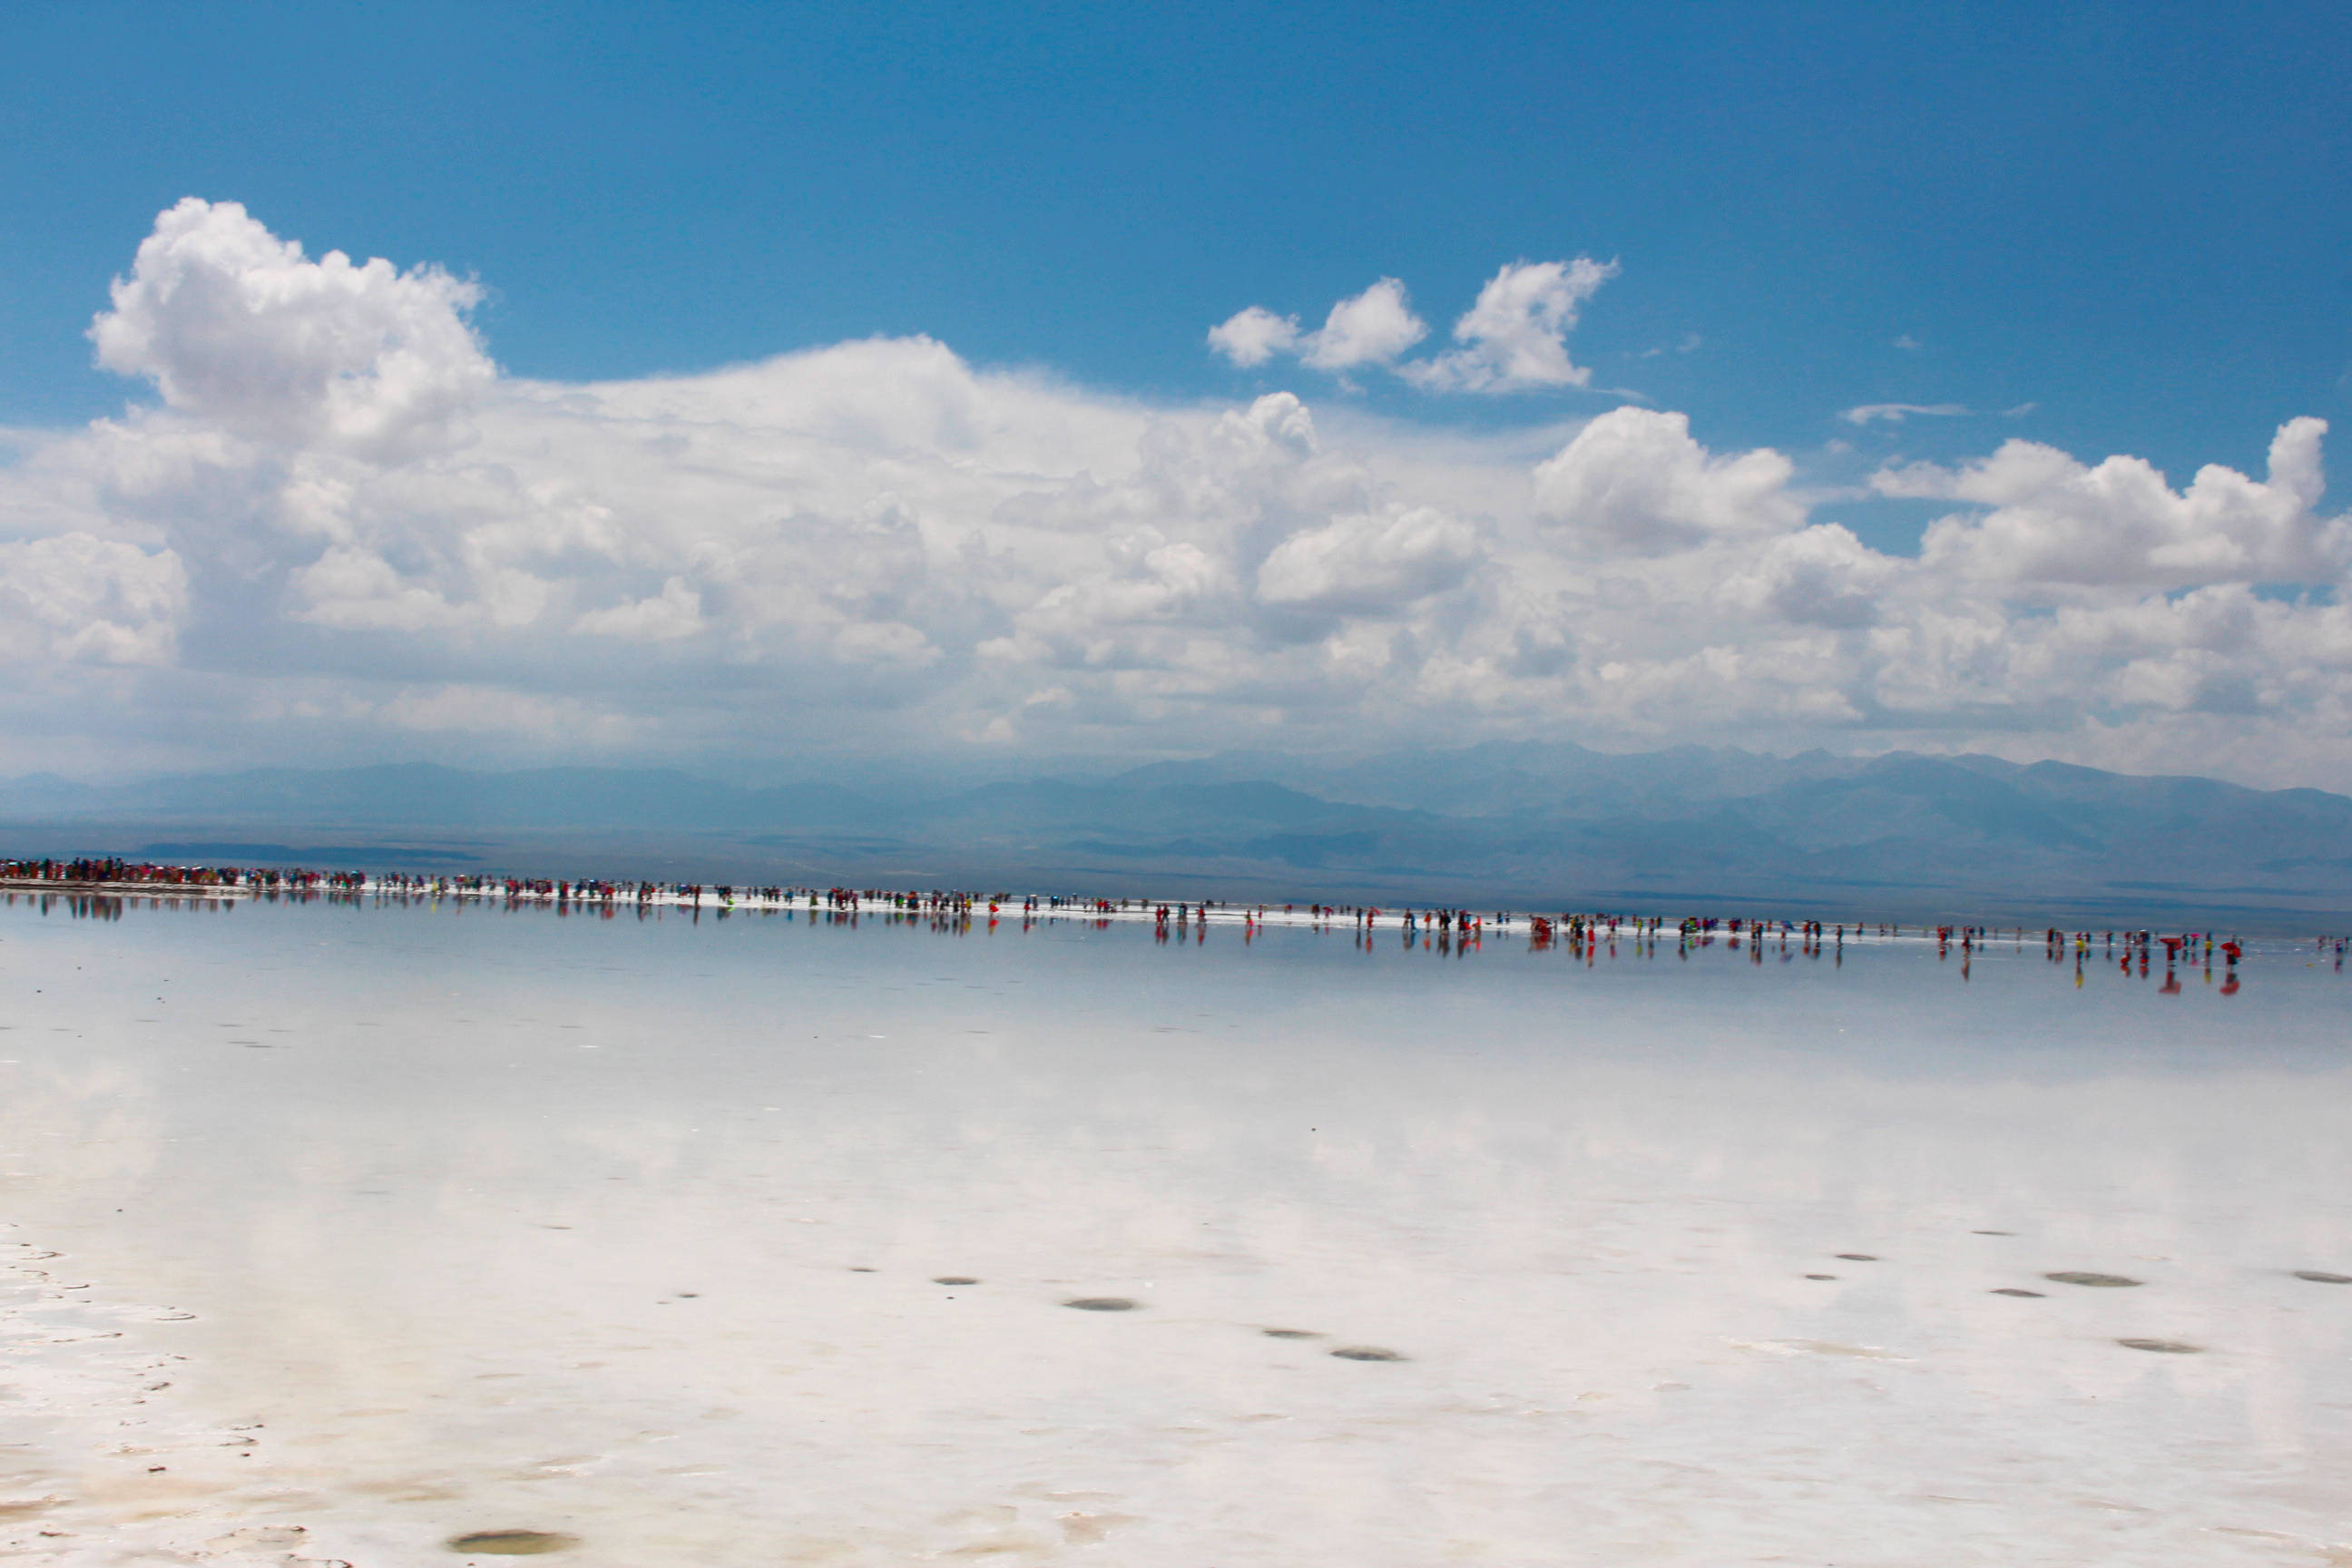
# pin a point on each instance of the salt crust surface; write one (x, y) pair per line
(334, 1234)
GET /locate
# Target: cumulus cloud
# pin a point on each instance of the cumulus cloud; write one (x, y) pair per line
(1368, 329)
(1249, 337)
(343, 531)
(1515, 338)
(1371, 565)
(1636, 479)
(1512, 338)
(75, 598)
(1821, 576)
(2054, 523)
(236, 327)
(1372, 328)
(675, 612)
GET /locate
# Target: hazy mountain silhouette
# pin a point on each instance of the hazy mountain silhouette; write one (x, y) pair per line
(1530, 823)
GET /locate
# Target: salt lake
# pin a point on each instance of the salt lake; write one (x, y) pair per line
(429, 1232)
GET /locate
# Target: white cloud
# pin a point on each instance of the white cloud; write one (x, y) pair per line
(1820, 575)
(1896, 413)
(2054, 523)
(1372, 328)
(1278, 420)
(675, 611)
(1369, 564)
(1249, 337)
(1515, 338)
(355, 590)
(343, 534)
(1512, 338)
(1635, 480)
(234, 326)
(74, 598)
(1368, 329)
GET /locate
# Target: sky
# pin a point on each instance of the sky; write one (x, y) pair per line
(771, 389)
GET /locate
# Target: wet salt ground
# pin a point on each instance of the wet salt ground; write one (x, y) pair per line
(755, 1242)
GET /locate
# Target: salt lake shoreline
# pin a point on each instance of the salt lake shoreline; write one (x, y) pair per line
(226, 884)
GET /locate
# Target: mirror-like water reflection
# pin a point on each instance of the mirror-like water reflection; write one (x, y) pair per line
(358, 1231)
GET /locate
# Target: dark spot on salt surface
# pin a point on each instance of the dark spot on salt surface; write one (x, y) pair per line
(853, 1269)
(1992, 1233)
(1821, 1276)
(2077, 1276)
(1290, 1333)
(1859, 1257)
(2321, 1277)
(1365, 1353)
(511, 1543)
(955, 1280)
(1101, 1304)
(2169, 1347)
(2013, 1290)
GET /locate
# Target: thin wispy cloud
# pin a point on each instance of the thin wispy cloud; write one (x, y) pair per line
(1896, 413)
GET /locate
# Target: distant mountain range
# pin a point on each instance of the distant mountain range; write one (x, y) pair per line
(1538, 824)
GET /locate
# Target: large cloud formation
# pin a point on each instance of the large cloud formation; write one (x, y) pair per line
(341, 531)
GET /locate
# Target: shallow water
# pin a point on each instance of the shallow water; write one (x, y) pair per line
(753, 1241)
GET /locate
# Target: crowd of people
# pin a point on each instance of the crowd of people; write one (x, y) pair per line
(1453, 929)
(113, 871)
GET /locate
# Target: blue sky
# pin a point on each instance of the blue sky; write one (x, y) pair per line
(2130, 216)
(366, 512)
